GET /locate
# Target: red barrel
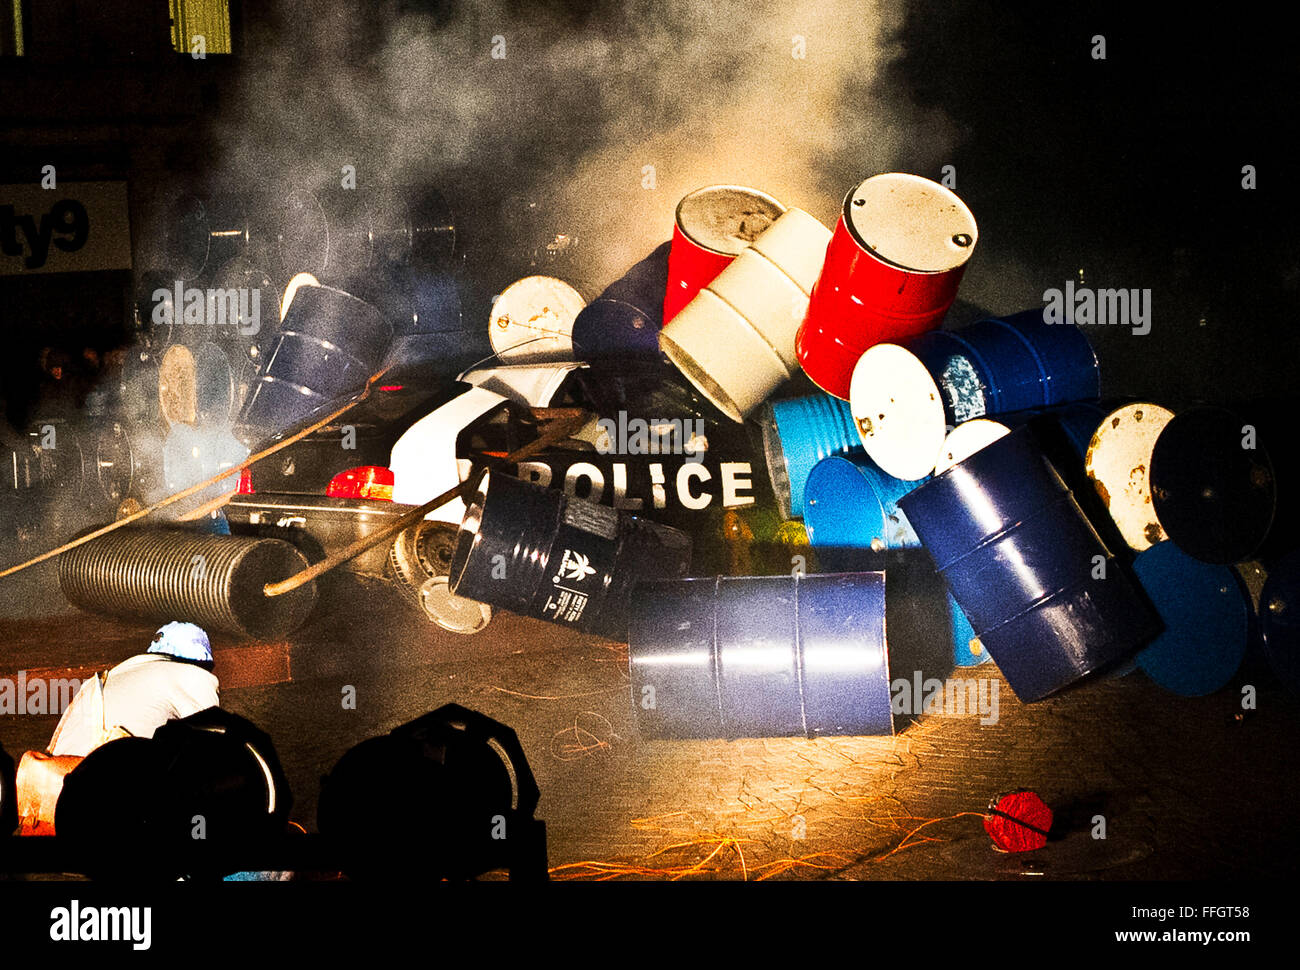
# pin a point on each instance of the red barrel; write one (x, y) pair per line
(713, 225)
(892, 270)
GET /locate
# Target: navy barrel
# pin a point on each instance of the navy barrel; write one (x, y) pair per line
(760, 656)
(540, 553)
(1001, 365)
(328, 346)
(1043, 593)
(629, 313)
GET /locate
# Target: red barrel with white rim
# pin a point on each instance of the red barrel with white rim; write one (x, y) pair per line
(713, 225)
(892, 269)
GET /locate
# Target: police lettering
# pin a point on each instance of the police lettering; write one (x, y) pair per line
(693, 484)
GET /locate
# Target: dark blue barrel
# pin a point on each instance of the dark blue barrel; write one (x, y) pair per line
(1001, 365)
(1206, 619)
(1214, 485)
(799, 433)
(1042, 592)
(328, 346)
(537, 552)
(1065, 357)
(627, 316)
(760, 656)
(1279, 619)
(849, 503)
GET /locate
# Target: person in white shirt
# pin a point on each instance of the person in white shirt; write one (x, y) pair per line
(173, 679)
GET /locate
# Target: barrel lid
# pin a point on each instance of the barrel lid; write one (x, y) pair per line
(452, 612)
(898, 411)
(532, 320)
(966, 439)
(724, 219)
(911, 222)
(1206, 621)
(177, 383)
(1118, 463)
(1212, 485)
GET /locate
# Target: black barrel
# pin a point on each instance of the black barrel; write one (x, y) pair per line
(328, 346)
(1216, 488)
(536, 552)
(214, 581)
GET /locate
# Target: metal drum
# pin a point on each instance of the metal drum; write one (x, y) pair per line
(760, 656)
(735, 340)
(532, 320)
(329, 345)
(338, 233)
(799, 433)
(163, 574)
(904, 395)
(1279, 619)
(629, 313)
(1213, 496)
(534, 551)
(891, 271)
(1206, 619)
(1040, 589)
(1118, 463)
(713, 226)
(203, 233)
(852, 504)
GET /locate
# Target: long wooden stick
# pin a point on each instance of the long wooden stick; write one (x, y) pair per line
(194, 489)
(569, 421)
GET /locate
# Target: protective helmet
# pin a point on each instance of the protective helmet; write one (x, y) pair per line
(185, 641)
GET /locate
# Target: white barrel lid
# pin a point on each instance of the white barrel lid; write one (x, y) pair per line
(966, 439)
(724, 219)
(911, 222)
(452, 612)
(1119, 464)
(532, 320)
(898, 411)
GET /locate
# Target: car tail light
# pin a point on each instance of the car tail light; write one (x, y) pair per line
(368, 481)
(245, 486)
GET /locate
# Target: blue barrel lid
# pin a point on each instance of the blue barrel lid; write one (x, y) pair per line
(1206, 618)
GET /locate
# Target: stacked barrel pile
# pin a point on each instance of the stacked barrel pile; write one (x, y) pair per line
(1075, 538)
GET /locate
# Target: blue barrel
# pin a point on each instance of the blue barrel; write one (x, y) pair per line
(1279, 619)
(760, 656)
(849, 503)
(540, 553)
(799, 433)
(1002, 365)
(327, 347)
(1206, 619)
(627, 316)
(1044, 596)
